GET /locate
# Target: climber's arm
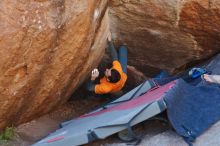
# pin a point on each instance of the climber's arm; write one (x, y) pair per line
(91, 84)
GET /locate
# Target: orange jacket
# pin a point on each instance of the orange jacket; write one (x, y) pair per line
(108, 87)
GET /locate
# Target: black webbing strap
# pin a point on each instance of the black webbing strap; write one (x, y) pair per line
(91, 136)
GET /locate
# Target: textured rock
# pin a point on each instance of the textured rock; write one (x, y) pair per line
(135, 78)
(31, 132)
(166, 34)
(47, 48)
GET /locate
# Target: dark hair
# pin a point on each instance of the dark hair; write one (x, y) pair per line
(115, 76)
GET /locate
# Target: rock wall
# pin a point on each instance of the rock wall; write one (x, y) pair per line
(166, 34)
(47, 48)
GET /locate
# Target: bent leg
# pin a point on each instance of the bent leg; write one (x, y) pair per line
(123, 58)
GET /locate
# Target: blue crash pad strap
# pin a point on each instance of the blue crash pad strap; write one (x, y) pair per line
(91, 136)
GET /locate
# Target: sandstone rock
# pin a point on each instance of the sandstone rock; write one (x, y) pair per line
(166, 34)
(135, 78)
(47, 48)
(37, 129)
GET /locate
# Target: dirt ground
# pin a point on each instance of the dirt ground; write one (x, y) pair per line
(80, 103)
(29, 133)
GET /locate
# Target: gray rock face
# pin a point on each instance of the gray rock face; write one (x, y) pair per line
(170, 138)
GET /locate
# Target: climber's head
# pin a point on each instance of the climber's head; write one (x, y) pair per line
(112, 75)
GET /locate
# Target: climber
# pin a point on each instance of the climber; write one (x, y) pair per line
(115, 77)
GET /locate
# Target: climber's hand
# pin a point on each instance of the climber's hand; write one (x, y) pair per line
(109, 37)
(95, 74)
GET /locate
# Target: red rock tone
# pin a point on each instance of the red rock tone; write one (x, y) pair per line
(166, 34)
(47, 48)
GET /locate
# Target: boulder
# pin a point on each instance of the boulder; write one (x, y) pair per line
(47, 48)
(166, 34)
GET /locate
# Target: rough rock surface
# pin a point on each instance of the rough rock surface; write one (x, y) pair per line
(166, 34)
(47, 48)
